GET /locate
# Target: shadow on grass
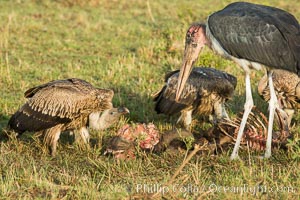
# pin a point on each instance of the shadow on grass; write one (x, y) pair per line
(141, 106)
(3, 126)
(29, 137)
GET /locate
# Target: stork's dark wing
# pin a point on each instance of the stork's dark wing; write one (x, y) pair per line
(262, 34)
(59, 102)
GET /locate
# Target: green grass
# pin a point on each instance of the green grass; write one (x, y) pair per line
(127, 46)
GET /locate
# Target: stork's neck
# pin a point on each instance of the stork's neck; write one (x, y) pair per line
(206, 39)
(97, 120)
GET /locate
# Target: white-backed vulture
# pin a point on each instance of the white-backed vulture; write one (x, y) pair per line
(287, 89)
(204, 93)
(65, 105)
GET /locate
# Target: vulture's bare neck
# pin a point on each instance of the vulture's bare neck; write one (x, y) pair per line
(100, 121)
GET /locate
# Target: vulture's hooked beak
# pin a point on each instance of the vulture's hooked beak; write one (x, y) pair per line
(195, 41)
(283, 119)
(123, 110)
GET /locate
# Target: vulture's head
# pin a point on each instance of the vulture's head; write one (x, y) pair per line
(105, 119)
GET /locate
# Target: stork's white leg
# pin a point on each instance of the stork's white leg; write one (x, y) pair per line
(247, 109)
(273, 104)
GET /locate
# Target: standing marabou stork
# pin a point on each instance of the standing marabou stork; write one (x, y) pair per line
(205, 93)
(287, 89)
(253, 36)
(65, 105)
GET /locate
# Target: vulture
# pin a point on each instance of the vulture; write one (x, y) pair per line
(205, 93)
(287, 89)
(253, 36)
(65, 105)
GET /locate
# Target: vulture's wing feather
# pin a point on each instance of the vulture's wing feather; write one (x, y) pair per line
(57, 102)
(27, 119)
(201, 82)
(286, 85)
(210, 80)
(165, 102)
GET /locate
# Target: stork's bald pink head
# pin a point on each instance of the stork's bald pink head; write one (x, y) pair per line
(194, 42)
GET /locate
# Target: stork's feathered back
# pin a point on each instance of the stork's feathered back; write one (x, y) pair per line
(59, 102)
(201, 83)
(258, 33)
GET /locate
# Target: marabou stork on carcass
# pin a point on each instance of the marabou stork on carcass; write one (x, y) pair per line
(205, 93)
(65, 105)
(253, 36)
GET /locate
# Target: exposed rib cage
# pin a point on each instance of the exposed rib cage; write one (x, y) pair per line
(255, 133)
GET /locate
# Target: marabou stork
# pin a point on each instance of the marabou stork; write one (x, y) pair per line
(253, 36)
(65, 105)
(287, 89)
(204, 93)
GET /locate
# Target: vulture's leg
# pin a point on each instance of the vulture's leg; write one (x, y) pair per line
(220, 111)
(84, 133)
(51, 138)
(290, 113)
(82, 137)
(77, 136)
(247, 109)
(224, 112)
(186, 119)
(54, 142)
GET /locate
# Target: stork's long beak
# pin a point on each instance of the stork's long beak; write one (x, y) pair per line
(191, 53)
(194, 42)
(184, 74)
